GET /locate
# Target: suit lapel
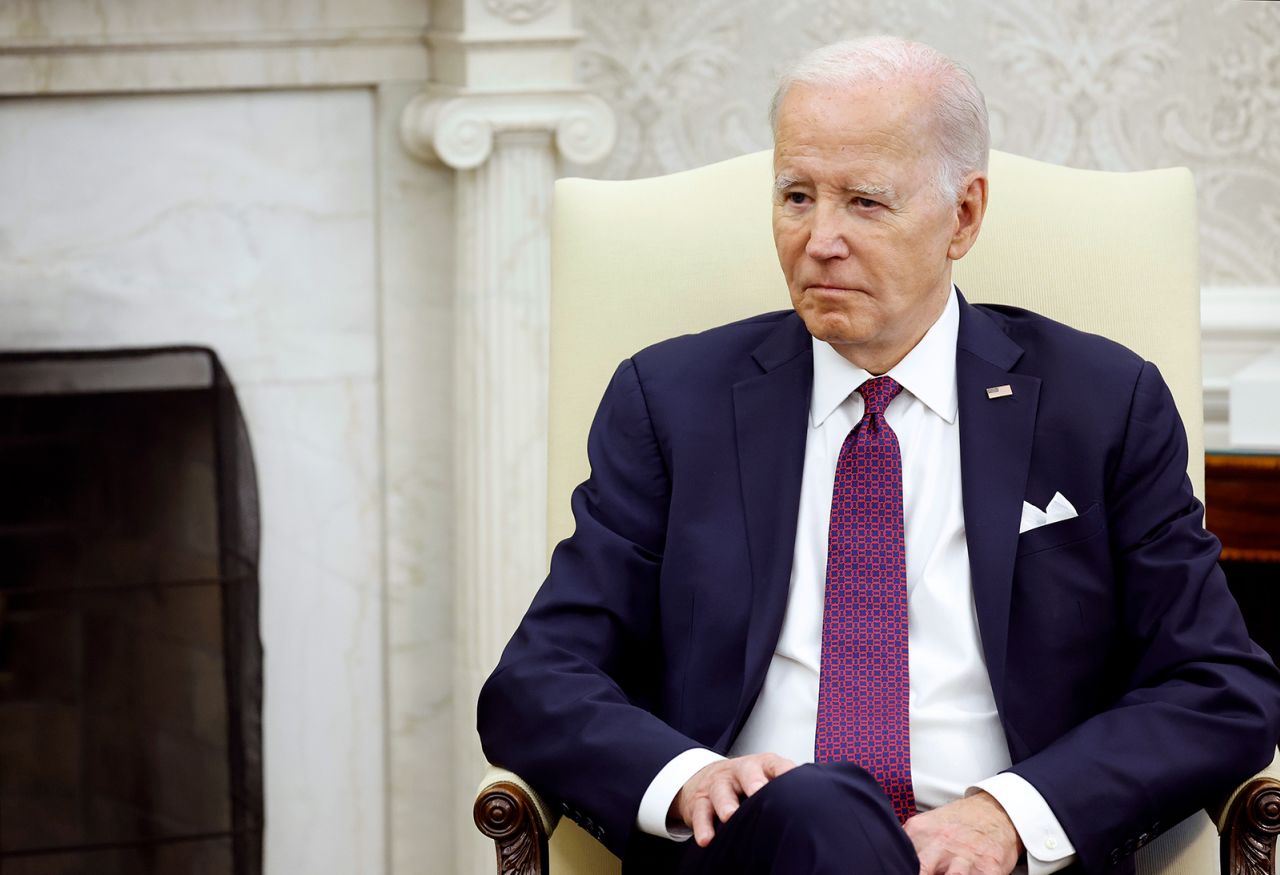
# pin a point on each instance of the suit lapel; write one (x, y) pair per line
(996, 436)
(771, 414)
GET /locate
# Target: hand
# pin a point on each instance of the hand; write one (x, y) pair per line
(716, 788)
(970, 836)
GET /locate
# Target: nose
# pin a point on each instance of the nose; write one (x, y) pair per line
(826, 237)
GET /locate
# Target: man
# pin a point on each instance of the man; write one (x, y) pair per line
(944, 557)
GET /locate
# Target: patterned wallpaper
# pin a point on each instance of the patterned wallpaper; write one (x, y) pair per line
(1090, 83)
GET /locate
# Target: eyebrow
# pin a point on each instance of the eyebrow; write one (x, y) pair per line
(862, 189)
(869, 190)
(781, 183)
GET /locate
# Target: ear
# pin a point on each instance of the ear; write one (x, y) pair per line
(970, 208)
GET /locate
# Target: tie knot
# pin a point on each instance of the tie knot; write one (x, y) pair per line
(877, 393)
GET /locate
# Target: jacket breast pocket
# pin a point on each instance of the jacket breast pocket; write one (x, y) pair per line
(1061, 533)
(1063, 606)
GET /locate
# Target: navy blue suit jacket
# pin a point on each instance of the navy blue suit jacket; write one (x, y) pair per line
(1128, 688)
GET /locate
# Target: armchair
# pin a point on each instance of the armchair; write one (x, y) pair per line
(1110, 253)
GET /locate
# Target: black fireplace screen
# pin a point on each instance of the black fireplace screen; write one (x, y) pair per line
(130, 663)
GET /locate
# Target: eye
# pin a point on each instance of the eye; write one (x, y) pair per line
(865, 203)
(796, 198)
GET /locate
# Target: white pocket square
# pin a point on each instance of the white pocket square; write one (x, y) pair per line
(1059, 509)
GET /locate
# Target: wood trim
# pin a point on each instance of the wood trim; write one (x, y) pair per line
(1249, 841)
(505, 813)
(1245, 462)
(1242, 499)
(1241, 554)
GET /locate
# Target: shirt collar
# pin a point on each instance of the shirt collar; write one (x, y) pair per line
(928, 371)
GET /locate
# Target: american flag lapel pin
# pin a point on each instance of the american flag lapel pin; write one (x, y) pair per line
(999, 391)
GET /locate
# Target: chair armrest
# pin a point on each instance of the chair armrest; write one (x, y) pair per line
(1249, 822)
(511, 813)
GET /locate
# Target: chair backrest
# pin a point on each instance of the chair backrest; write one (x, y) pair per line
(639, 261)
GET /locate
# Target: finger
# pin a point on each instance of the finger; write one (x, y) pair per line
(911, 825)
(753, 777)
(776, 766)
(930, 861)
(724, 796)
(920, 836)
(959, 866)
(703, 830)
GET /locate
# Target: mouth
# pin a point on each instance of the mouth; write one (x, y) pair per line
(830, 290)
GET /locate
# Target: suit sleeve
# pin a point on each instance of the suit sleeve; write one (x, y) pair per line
(569, 705)
(1201, 711)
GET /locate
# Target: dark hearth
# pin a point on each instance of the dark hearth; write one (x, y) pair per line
(130, 663)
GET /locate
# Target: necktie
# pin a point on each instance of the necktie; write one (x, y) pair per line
(862, 686)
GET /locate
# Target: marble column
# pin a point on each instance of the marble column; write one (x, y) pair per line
(506, 148)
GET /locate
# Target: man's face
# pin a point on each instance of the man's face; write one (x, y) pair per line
(864, 239)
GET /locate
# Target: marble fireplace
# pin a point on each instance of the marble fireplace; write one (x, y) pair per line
(130, 660)
(287, 231)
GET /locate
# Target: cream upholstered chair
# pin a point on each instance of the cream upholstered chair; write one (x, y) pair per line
(636, 262)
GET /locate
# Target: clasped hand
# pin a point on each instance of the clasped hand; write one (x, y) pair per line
(970, 836)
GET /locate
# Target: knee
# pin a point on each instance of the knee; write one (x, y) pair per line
(822, 795)
(826, 819)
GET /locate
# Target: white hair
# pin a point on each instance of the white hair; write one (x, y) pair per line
(959, 109)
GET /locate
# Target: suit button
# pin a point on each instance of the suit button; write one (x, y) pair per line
(1115, 856)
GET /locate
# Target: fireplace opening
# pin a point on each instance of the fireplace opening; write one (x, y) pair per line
(130, 661)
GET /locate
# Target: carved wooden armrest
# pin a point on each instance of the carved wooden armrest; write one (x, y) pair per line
(1249, 823)
(511, 813)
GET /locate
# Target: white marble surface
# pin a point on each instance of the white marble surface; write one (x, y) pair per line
(97, 21)
(94, 46)
(91, 46)
(417, 355)
(247, 222)
(237, 61)
(241, 218)
(321, 623)
(316, 449)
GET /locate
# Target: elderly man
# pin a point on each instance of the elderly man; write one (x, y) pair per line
(944, 557)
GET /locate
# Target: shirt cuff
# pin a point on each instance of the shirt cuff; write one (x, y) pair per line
(1048, 848)
(662, 791)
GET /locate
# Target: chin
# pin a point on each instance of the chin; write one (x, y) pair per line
(834, 326)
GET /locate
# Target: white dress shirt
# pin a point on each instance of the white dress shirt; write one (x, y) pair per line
(957, 742)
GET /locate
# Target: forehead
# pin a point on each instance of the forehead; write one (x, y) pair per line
(864, 128)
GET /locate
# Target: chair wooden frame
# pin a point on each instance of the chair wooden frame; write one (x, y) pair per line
(511, 815)
(506, 813)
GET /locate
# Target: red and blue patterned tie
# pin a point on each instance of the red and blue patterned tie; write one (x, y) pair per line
(862, 688)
